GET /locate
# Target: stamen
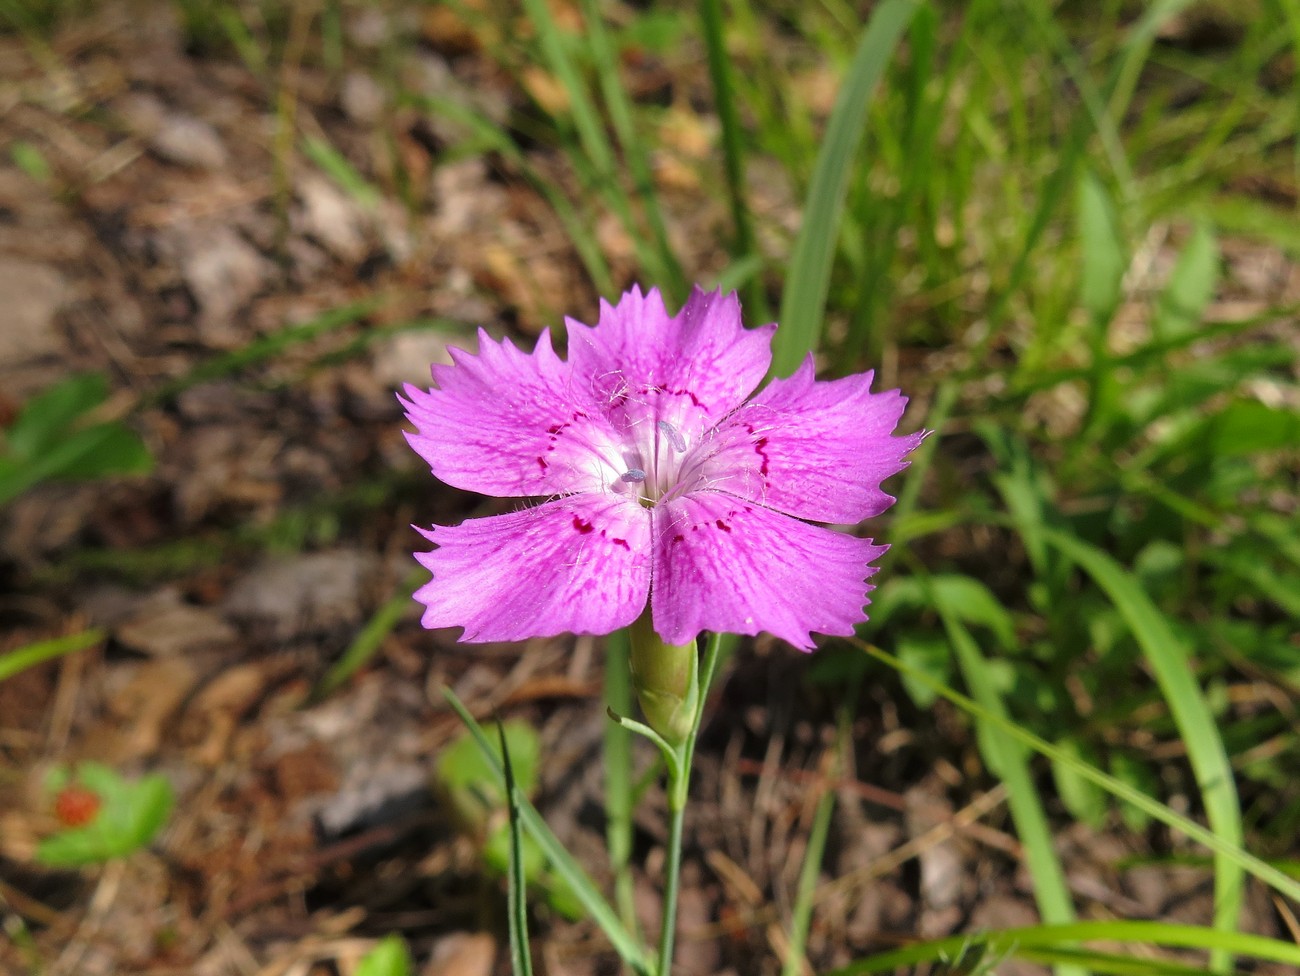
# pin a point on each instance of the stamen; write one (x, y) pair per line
(674, 436)
(633, 475)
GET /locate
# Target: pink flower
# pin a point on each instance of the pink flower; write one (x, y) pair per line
(663, 479)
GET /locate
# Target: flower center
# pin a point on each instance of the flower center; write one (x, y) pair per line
(656, 465)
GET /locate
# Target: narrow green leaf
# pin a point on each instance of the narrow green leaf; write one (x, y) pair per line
(1191, 286)
(1167, 658)
(44, 418)
(928, 654)
(336, 166)
(30, 655)
(733, 152)
(521, 961)
(389, 958)
(1103, 255)
(635, 152)
(1006, 758)
(1233, 853)
(1085, 800)
(619, 789)
(1015, 942)
(804, 301)
(583, 888)
(368, 641)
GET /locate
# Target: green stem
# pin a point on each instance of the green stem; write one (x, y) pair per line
(679, 781)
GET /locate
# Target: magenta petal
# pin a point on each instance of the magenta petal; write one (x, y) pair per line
(815, 450)
(722, 564)
(580, 564)
(509, 423)
(690, 370)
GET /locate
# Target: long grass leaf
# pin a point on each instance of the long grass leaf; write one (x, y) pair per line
(733, 153)
(1189, 828)
(1167, 658)
(619, 788)
(804, 300)
(1015, 942)
(29, 655)
(368, 640)
(521, 961)
(1006, 758)
(595, 142)
(584, 889)
(619, 107)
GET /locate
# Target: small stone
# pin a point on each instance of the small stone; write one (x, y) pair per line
(331, 218)
(188, 141)
(309, 594)
(407, 356)
(168, 627)
(221, 270)
(31, 295)
(362, 98)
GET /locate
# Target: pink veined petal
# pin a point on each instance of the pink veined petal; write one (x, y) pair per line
(723, 564)
(815, 450)
(509, 423)
(578, 565)
(689, 370)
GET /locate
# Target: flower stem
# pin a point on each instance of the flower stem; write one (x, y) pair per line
(679, 781)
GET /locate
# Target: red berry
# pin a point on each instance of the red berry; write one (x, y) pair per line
(76, 806)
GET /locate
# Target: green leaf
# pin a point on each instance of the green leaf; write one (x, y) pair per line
(804, 301)
(129, 818)
(389, 958)
(466, 778)
(1191, 286)
(102, 450)
(1248, 427)
(1083, 798)
(1136, 774)
(1104, 260)
(1006, 758)
(45, 416)
(1018, 943)
(30, 655)
(521, 962)
(1168, 660)
(563, 863)
(929, 655)
(30, 160)
(336, 166)
(1234, 853)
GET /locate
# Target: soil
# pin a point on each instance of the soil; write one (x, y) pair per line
(181, 246)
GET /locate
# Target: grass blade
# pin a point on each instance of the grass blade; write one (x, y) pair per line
(1167, 659)
(1019, 941)
(619, 788)
(521, 962)
(806, 287)
(367, 641)
(584, 889)
(733, 154)
(1007, 760)
(1189, 828)
(634, 151)
(29, 655)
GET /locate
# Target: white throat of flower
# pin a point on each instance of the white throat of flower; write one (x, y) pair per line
(656, 466)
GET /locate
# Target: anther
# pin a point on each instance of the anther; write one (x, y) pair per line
(674, 436)
(633, 475)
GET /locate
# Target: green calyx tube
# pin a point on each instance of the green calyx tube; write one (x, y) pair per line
(666, 680)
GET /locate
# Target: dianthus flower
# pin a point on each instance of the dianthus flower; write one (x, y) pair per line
(664, 483)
